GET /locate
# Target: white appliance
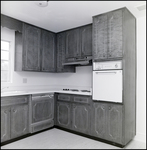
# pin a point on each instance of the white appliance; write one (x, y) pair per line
(107, 81)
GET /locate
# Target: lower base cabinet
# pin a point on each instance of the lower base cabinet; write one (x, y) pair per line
(107, 122)
(81, 118)
(14, 117)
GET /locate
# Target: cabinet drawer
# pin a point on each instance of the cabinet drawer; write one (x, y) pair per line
(81, 99)
(64, 97)
(15, 100)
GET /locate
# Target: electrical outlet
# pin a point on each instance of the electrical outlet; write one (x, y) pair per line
(24, 80)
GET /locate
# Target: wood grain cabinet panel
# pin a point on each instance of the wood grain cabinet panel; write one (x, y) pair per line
(81, 118)
(64, 114)
(48, 61)
(86, 41)
(31, 48)
(115, 34)
(5, 123)
(19, 120)
(61, 54)
(114, 123)
(14, 117)
(100, 39)
(99, 120)
(107, 35)
(72, 44)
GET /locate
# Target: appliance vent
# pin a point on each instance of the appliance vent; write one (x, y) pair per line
(141, 7)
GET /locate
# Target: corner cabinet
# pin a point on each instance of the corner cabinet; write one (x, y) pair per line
(78, 43)
(61, 54)
(35, 50)
(14, 117)
(48, 59)
(108, 35)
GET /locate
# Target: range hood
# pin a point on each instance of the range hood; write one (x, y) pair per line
(77, 62)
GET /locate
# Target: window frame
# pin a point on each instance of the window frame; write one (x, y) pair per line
(9, 62)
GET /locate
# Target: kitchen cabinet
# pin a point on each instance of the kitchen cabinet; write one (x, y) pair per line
(107, 122)
(19, 120)
(64, 115)
(86, 41)
(5, 123)
(73, 112)
(61, 54)
(48, 61)
(78, 43)
(31, 48)
(81, 118)
(108, 35)
(42, 111)
(35, 50)
(72, 44)
(14, 117)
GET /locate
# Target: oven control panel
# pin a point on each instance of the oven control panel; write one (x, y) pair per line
(107, 65)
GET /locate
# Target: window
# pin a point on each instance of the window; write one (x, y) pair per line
(5, 61)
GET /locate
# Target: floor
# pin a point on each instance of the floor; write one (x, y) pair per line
(59, 139)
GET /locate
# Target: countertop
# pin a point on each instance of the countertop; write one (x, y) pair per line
(29, 92)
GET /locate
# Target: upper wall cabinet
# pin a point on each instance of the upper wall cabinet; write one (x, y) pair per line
(48, 61)
(72, 44)
(78, 43)
(61, 54)
(107, 35)
(35, 50)
(31, 48)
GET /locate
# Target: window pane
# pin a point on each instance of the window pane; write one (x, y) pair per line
(4, 65)
(4, 55)
(4, 76)
(4, 45)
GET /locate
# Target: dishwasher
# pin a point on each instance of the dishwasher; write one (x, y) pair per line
(42, 109)
(107, 81)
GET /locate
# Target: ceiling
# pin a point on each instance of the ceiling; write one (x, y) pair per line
(62, 15)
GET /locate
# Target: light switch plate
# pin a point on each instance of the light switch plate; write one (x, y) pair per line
(24, 80)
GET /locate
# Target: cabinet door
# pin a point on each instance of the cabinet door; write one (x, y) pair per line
(86, 41)
(115, 34)
(114, 123)
(72, 44)
(42, 109)
(99, 120)
(81, 118)
(31, 48)
(61, 54)
(64, 114)
(100, 38)
(19, 120)
(5, 124)
(48, 51)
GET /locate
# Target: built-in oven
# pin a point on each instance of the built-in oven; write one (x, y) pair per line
(107, 81)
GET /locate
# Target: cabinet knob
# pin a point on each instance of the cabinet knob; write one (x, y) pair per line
(5, 111)
(14, 110)
(109, 107)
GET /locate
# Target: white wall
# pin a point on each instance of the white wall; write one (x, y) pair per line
(141, 80)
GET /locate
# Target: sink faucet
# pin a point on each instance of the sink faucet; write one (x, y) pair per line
(4, 88)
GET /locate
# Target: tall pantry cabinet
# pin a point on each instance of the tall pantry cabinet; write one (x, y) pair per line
(114, 38)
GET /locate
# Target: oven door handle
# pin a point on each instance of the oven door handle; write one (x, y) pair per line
(112, 72)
